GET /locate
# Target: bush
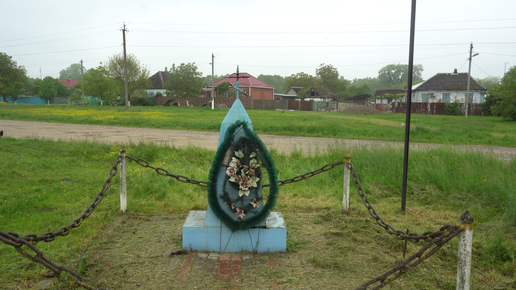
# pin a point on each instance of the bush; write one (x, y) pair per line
(142, 102)
(453, 109)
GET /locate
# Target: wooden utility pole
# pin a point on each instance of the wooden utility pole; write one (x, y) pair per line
(126, 96)
(82, 82)
(212, 81)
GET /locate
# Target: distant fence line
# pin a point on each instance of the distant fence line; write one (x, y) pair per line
(298, 105)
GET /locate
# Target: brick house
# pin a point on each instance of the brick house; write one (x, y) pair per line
(252, 86)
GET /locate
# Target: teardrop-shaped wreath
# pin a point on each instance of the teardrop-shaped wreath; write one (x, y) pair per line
(246, 176)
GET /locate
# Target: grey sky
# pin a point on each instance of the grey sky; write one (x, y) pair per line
(262, 37)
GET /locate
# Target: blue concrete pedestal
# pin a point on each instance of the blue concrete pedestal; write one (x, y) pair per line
(199, 234)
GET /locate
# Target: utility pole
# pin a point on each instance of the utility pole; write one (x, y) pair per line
(126, 97)
(212, 81)
(469, 75)
(82, 82)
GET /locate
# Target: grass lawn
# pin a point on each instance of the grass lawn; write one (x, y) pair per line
(47, 184)
(474, 130)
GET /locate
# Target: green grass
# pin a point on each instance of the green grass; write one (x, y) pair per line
(474, 130)
(47, 184)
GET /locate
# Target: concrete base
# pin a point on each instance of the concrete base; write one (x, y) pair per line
(201, 236)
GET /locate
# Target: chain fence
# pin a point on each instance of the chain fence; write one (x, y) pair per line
(185, 179)
(13, 239)
(435, 240)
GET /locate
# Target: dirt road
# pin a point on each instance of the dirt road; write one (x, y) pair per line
(208, 140)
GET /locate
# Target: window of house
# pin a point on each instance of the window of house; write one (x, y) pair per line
(312, 94)
(424, 98)
(470, 98)
(446, 97)
(482, 98)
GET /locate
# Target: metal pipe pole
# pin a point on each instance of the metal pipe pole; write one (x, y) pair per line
(127, 101)
(409, 105)
(212, 81)
(469, 72)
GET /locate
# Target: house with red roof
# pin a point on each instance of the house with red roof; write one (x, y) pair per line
(250, 85)
(69, 83)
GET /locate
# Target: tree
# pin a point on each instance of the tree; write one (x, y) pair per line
(356, 91)
(46, 89)
(395, 76)
(10, 73)
(62, 90)
(138, 76)
(300, 79)
(328, 77)
(222, 88)
(184, 81)
(489, 82)
(506, 92)
(372, 83)
(98, 83)
(14, 90)
(276, 81)
(73, 71)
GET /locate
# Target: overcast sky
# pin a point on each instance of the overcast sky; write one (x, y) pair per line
(262, 37)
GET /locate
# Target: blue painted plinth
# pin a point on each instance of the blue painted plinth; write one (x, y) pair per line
(201, 236)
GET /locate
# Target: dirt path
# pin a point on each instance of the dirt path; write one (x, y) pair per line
(208, 140)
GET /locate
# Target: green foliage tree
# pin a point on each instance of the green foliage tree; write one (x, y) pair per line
(328, 77)
(46, 89)
(453, 109)
(10, 73)
(222, 89)
(300, 79)
(73, 71)
(99, 83)
(14, 90)
(184, 81)
(372, 83)
(159, 94)
(395, 76)
(138, 76)
(489, 82)
(62, 90)
(506, 92)
(276, 81)
(361, 90)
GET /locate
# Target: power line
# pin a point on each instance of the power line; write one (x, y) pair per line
(56, 33)
(61, 39)
(63, 51)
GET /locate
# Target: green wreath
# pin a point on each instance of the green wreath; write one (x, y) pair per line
(212, 180)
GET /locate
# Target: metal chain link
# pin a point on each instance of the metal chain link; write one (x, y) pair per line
(165, 172)
(412, 237)
(38, 257)
(65, 230)
(421, 256)
(307, 175)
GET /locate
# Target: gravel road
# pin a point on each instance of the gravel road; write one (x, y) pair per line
(208, 140)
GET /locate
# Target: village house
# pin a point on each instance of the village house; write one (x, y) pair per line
(320, 95)
(448, 87)
(250, 85)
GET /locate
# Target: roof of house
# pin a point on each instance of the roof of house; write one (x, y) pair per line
(449, 82)
(380, 93)
(323, 92)
(245, 80)
(158, 80)
(68, 83)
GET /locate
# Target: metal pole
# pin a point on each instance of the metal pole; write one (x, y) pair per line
(465, 250)
(123, 191)
(469, 72)
(126, 96)
(345, 196)
(409, 104)
(212, 81)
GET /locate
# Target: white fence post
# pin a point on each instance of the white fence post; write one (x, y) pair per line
(123, 192)
(465, 246)
(345, 196)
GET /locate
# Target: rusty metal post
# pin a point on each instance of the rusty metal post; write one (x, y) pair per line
(123, 191)
(345, 198)
(465, 246)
